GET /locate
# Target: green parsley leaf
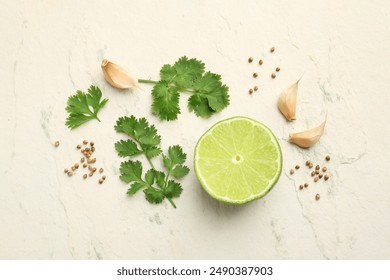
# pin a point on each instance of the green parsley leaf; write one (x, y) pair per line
(145, 140)
(165, 101)
(83, 107)
(127, 148)
(153, 195)
(173, 189)
(131, 171)
(209, 95)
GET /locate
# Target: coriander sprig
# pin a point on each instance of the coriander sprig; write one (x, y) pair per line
(83, 107)
(157, 185)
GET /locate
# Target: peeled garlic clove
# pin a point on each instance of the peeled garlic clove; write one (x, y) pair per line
(117, 76)
(308, 138)
(287, 101)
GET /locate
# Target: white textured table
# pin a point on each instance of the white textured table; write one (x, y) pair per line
(52, 48)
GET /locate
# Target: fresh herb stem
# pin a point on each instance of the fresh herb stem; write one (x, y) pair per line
(147, 81)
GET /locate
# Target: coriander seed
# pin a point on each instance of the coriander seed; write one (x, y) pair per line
(324, 169)
(307, 162)
(326, 177)
(277, 69)
(250, 59)
(273, 75)
(256, 88)
(327, 157)
(310, 165)
(104, 177)
(66, 170)
(317, 196)
(291, 171)
(70, 173)
(85, 176)
(250, 91)
(93, 149)
(101, 170)
(320, 175)
(76, 165)
(255, 75)
(297, 166)
(100, 181)
(306, 184)
(313, 173)
(79, 147)
(56, 144)
(90, 174)
(300, 187)
(272, 50)
(317, 172)
(317, 167)
(82, 159)
(85, 142)
(73, 168)
(85, 165)
(260, 62)
(316, 179)
(92, 143)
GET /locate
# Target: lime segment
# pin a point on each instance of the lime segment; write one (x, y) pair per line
(238, 160)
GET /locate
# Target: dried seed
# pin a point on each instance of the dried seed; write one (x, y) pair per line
(327, 157)
(306, 184)
(317, 172)
(79, 147)
(92, 143)
(93, 160)
(272, 50)
(82, 150)
(310, 165)
(300, 187)
(324, 169)
(297, 166)
(93, 149)
(320, 175)
(255, 75)
(260, 62)
(70, 173)
(90, 168)
(73, 168)
(307, 162)
(256, 88)
(76, 165)
(85, 165)
(66, 170)
(273, 75)
(313, 173)
(277, 69)
(85, 176)
(317, 167)
(326, 177)
(317, 196)
(87, 149)
(101, 181)
(85, 142)
(250, 59)
(101, 170)
(250, 91)
(104, 177)
(82, 160)
(56, 144)
(316, 179)
(291, 171)
(90, 174)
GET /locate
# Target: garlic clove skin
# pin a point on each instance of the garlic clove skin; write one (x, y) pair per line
(308, 138)
(118, 77)
(288, 100)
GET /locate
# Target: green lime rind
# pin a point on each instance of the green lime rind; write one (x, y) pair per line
(253, 196)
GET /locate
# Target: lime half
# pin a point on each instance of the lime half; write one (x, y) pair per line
(238, 160)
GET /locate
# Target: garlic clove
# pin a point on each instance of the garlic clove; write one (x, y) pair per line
(118, 77)
(288, 100)
(308, 138)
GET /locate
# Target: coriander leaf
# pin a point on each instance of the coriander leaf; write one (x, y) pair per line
(149, 177)
(136, 186)
(179, 171)
(126, 125)
(127, 148)
(131, 171)
(84, 107)
(165, 101)
(210, 87)
(173, 189)
(152, 152)
(167, 73)
(160, 179)
(187, 70)
(176, 155)
(200, 106)
(154, 195)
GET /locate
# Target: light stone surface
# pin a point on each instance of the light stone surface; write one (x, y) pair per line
(339, 49)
